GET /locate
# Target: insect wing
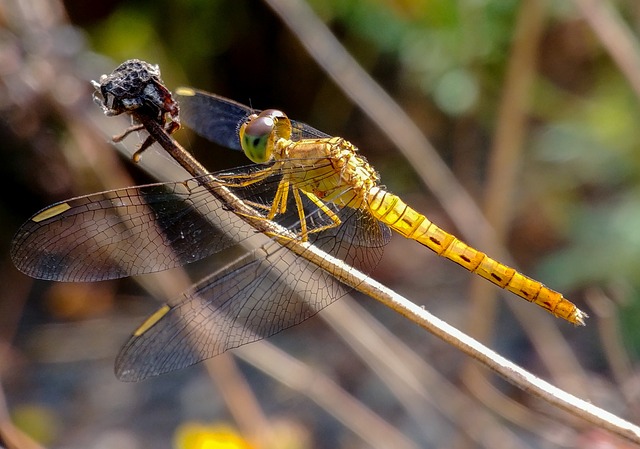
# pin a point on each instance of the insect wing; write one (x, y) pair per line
(218, 119)
(121, 233)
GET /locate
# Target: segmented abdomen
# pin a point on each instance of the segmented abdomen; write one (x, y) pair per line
(394, 212)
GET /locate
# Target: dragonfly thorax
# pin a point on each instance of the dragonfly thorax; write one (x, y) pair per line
(329, 168)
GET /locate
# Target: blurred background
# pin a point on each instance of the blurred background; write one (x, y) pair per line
(531, 108)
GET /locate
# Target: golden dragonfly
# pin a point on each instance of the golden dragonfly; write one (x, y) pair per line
(315, 186)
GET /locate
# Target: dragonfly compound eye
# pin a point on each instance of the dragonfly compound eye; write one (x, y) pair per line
(257, 137)
(282, 124)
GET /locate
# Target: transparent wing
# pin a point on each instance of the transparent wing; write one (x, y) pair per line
(121, 233)
(150, 228)
(218, 119)
(250, 300)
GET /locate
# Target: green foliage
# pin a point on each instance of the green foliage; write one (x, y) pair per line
(592, 149)
(441, 45)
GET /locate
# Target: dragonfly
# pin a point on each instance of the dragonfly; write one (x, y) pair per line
(316, 187)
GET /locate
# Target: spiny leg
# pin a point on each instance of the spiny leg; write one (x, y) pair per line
(301, 215)
(279, 205)
(335, 220)
(249, 178)
(252, 178)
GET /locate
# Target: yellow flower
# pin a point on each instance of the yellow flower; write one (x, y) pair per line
(201, 436)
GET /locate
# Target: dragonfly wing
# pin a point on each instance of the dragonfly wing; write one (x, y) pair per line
(120, 233)
(358, 227)
(301, 130)
(268, 291)
(242, 303)
(213, 117)
(218, 119)
(359, 240)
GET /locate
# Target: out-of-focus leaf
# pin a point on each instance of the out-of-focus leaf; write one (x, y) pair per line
(37, 421)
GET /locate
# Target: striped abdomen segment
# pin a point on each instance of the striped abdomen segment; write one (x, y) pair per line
(394, 212)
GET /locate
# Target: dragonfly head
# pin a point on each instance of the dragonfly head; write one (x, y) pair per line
(259, 133)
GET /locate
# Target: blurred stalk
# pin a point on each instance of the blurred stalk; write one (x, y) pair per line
(416, 383)
(505, 157)
(613, 348)
(306, 380)
(615, 36)
(241, 401)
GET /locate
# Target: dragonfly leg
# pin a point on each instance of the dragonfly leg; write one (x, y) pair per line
(145, 145)
(129, 130)
(335, 220)
(279, 205)
(304, 235)
(246, 179)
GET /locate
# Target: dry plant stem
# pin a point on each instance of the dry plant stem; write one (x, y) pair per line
(506, 154)
(415, 382)
(243, 405)
(361, 282)
(615, 36)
